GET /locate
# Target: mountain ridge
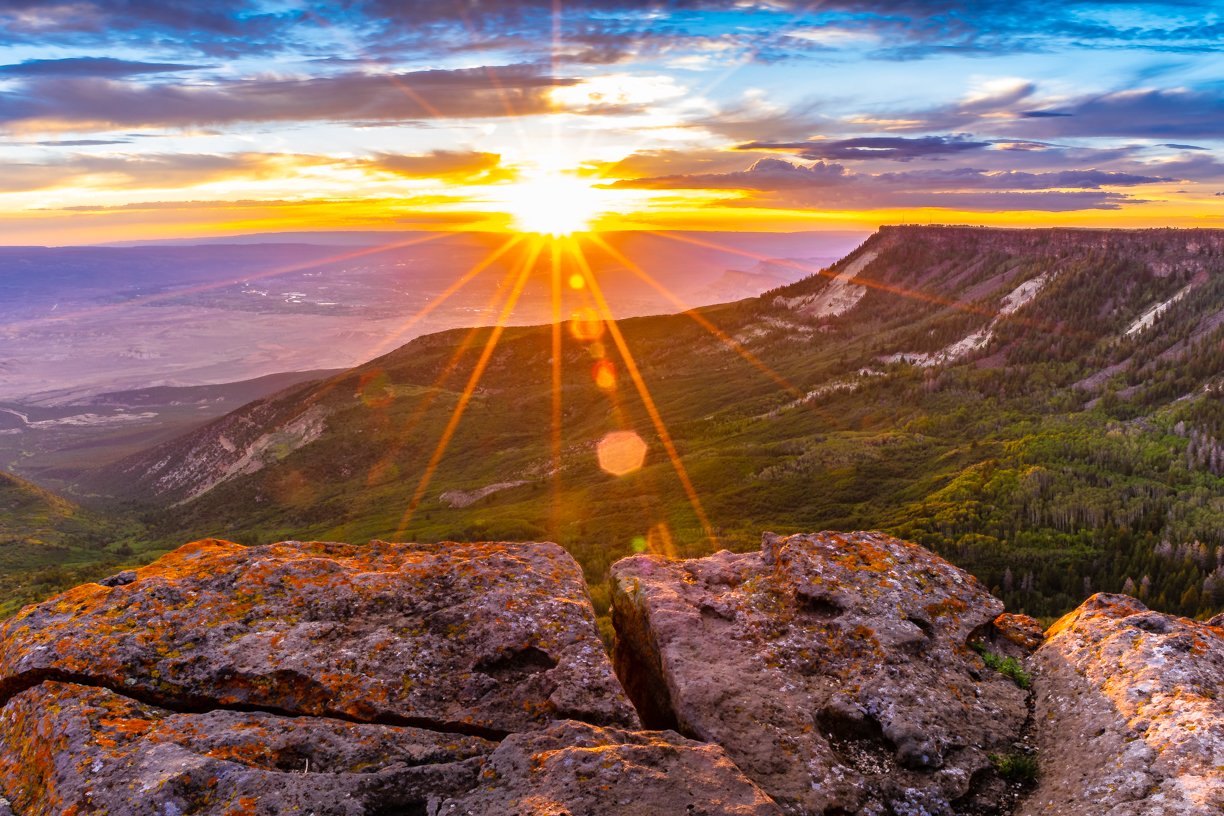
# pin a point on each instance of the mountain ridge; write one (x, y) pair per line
(939, 405)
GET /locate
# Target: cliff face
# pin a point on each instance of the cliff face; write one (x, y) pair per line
(827, 674)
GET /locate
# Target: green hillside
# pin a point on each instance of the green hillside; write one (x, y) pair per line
(1057, 454)
(47, 543)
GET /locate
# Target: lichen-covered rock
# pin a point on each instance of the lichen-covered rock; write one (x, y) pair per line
(74, 749)
(834, 669)
(1129, 714)
(574, 768)
(486, 639)
(1021, 631)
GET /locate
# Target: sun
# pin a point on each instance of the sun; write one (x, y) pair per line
(552, 203)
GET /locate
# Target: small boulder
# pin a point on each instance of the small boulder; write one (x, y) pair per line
(1128, 715)
(834, 669)
(1021, 631)
(574, 768)
(484, 639)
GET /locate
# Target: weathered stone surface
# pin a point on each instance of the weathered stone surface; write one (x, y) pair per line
(577, 769)
(1020, 631)
(74, 749)
(1217, 621)
(1129, 714)
(834, 670)
(486, 638)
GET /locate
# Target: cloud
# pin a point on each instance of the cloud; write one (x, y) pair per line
(95, 103)
(82, 142)
(777, 183)
(157, 170)
(892, 148)
(1150, 113)
(450, 165)
(91, 67)
(1019, 111)
(173, 170)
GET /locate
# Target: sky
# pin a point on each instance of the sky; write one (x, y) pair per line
(136, 119)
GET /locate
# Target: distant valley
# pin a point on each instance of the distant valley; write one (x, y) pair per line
(1039, 406)
(78, 321)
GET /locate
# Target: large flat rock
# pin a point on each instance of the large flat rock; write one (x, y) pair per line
(75, 749)
(574, 769)
(835, 670)
(486, 639)
(1129, 713)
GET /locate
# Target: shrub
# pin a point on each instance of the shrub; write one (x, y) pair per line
(1007, 666)
(1018, 767)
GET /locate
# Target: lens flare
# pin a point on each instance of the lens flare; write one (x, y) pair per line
(586, 326)
(621, 452)
(605, 375)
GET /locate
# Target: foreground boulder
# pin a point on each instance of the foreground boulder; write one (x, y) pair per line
(835, 670)
(1129, 713)
(67, 749)
(336, 680)
(485, 639)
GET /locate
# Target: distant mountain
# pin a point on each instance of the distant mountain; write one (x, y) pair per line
(1040, 406)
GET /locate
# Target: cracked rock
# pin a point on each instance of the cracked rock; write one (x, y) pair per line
(75, 749)
(1129, 713)
(834, 669)
(486, 639)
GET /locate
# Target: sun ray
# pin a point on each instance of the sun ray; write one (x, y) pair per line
(447, 293)
(643, 391)
(556, 415)
(699, 318)
(435, 389)
(466, 396)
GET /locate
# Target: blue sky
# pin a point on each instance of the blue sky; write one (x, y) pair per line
(137, 118)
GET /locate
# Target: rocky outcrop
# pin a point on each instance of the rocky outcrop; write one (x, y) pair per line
(836, 670)
(485, 639)
(336, 680)
(1129, 713)
(826, 674)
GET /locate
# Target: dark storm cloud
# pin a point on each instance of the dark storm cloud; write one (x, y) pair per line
(778, 183)
(93, 102)
(892, 148)
(90, 67)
